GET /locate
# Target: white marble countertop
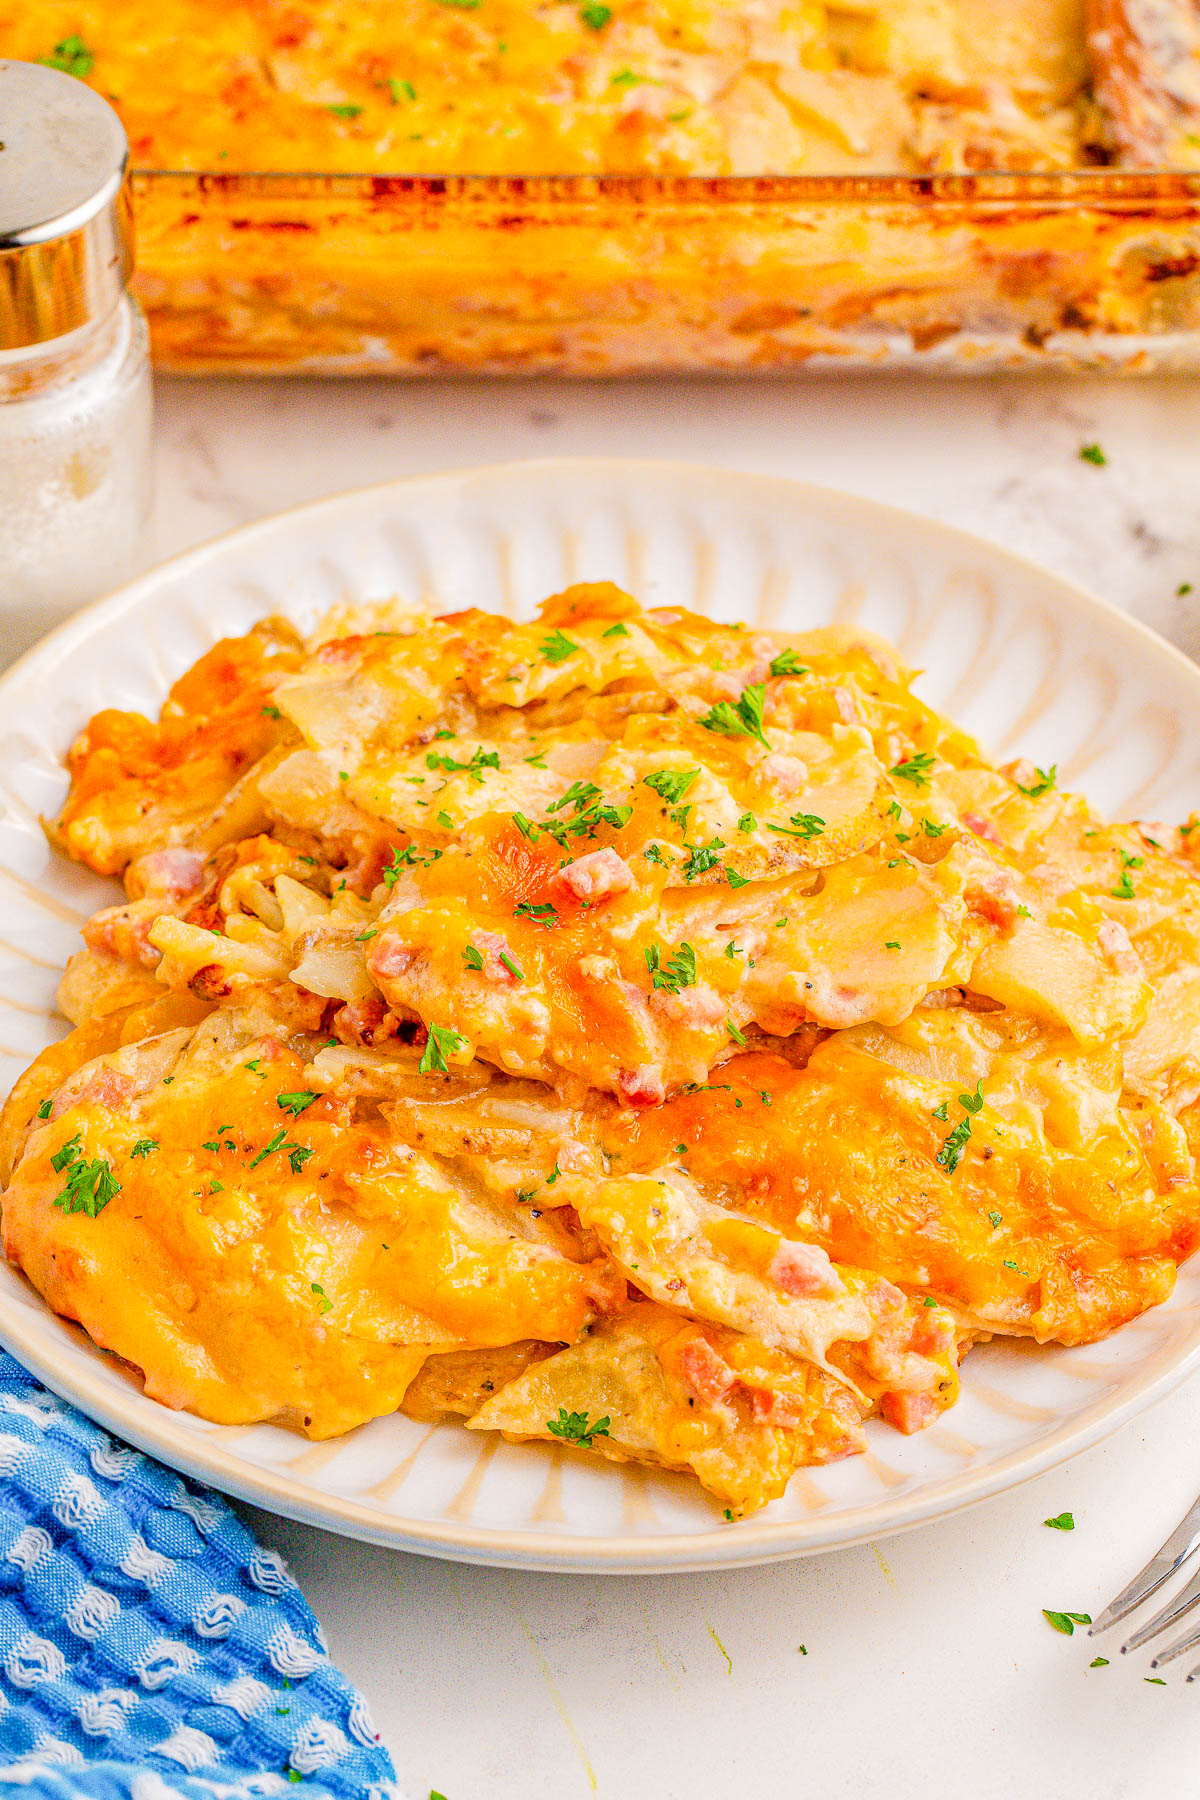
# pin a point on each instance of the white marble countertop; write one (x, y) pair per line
(929, 1667)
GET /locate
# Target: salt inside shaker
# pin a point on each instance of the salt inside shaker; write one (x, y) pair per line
(75, 398)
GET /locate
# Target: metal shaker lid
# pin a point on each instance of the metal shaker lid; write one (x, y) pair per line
(66, 229)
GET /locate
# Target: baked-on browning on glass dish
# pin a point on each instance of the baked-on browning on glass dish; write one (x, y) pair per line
(429, 185)
(660, 1037)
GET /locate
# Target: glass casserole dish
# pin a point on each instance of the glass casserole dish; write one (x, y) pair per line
(412, 186)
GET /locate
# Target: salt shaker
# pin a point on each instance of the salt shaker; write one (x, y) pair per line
(75, 398)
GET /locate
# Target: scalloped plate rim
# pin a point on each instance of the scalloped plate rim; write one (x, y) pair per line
(150, 1427)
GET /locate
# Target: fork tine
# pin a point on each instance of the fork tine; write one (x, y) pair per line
(1187, 1642)
(1182, 1543)
(1182, 1603)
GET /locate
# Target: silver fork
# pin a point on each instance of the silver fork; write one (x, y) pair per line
(1180, 1547)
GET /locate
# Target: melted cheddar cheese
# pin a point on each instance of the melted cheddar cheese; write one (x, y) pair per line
(616, 1026)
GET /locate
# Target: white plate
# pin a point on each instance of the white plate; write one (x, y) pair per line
(1027, 662)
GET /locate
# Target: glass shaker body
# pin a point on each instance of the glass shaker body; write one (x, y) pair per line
(75, 471)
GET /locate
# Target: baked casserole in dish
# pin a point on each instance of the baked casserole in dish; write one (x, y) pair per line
(665, 1037)
(600, 188)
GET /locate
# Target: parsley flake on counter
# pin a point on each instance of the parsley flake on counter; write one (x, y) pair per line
(295, 1103)
(788, 663)
(88, 1185)
(1154, 1681)
(574, 1428)
(472, 957)
(443, 1040)
(1066, 1621)
(323, 1299)
(1063, 1521)
(71, 57)
(679, 971)
(1185, 587)
(1092, 453)
(743, 718)
(671, 784)
(915, 768)
(558, 646)
(1098, 1662)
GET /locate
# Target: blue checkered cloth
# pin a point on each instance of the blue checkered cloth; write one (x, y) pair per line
(149, 1648)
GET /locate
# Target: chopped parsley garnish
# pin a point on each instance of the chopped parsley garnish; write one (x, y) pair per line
(88, 1185)
(401, 90)
(892, 944)
(654, 853)
(995, 1220)
(788, 663)
(525, 826)
(517, 973)
(672, 784)
(893, 811)
(481, 759)
(702, 858)
(71, 56)
(581, 795)
(472, 957)
(558, 646)
(542, 912)
(747, 822)
(595, 17)
(1066, 1621)
(323, 1299)
(1063, 1521)
(462, 5)
(276, 1143)
(942, 1112)
(950, 1154)
(295, 1103)
(1023, 912)
(932, 830)
(679, 971)
(344, 112)
(1046, 779)
(803, 825)
(45, 1109)
(739, 1037)
(1125, 889)
(270, 712)
(743, 718)
(735, 880)
(1092, 453)
(627, 78)
(574, 1428)
(360, 937)
(915, 768)
(442, 1041)
(445, 821)
(617, 630)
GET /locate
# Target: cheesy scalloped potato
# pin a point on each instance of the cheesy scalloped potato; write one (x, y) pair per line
(665, 1037)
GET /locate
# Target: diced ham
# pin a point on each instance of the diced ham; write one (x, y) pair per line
(992, 892)
(804, 1271)
(846, 705)
(107, 1088)
(706, 1375)
(364, 1022)
(771, 1408)
(492, 947)
(168, 874)
(123, 931)
(1022, 772)
(787, 774)
(909, 1412)
(642, 1086)
(595, 876)
(932, 1333)
(983, 828)
(693, 1006)
(390, 956)
(1117, 950)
